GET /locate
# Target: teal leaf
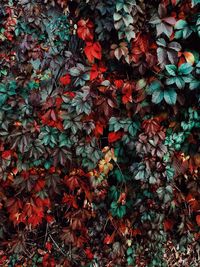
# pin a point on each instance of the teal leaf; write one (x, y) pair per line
(3, 98)
(171, 69)
(180, 24)
(170, 96)
(185, 69)
(195, 2)
(195, 84)
(180, 82)
(154, 86)
(157, 96)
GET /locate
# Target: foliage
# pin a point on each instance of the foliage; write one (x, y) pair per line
(99, 133)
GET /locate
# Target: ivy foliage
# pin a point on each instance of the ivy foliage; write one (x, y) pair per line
(99, 133)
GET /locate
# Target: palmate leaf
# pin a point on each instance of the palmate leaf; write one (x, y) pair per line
(183, 30)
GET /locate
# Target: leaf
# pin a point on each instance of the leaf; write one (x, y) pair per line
(157, 96)
(170, 96)
(117, 16)
(180, 24)
(185, 69)
(195, 2)
(128, 19)
(169, 20)
(189, 57)
(109, 239)
(74, 71)
(3, 98)
(121, 211)
(168, 224)
(118, 53)
(65, 80)
(114, 136)
(195, 84)
(85, 29)
(198, 220)
(175, 46)
(161, 42)
(169, 172)
(92, 51)
(179, 82)
(154, 86)
(171, 69)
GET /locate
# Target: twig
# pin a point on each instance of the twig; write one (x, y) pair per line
(57, 245)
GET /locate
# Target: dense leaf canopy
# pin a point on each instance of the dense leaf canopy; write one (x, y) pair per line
(99, 133)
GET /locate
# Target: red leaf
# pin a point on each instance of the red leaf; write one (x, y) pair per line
(72, 182)
(85, 30)
(6, 154)
(49, 218)
(70, 200)
(48, 246)
(96, 71)
(194, 204)
(92, 51)
(98, 129)
(136, 232)
(119, 83)
(198, 220)
(89, 253)
(168, 224)
(109, 239)
(114, 136)
(40, 184)
(65, 80)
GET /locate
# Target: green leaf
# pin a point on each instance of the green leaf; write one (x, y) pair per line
(169, 172)
(195, 84)
(129, 251)
(171, 69)
(3, 98)
(154, 86)
(74, 71)
(180, 82)
(170, 96)
(185, 69)
(128, 19)
(157, 96)
(121, 211)
(195, 2)
(161, 42)
(130, 261)
(180, 24)
(119, 176)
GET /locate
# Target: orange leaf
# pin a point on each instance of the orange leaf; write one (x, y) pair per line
(198, 220)
(189, 57)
